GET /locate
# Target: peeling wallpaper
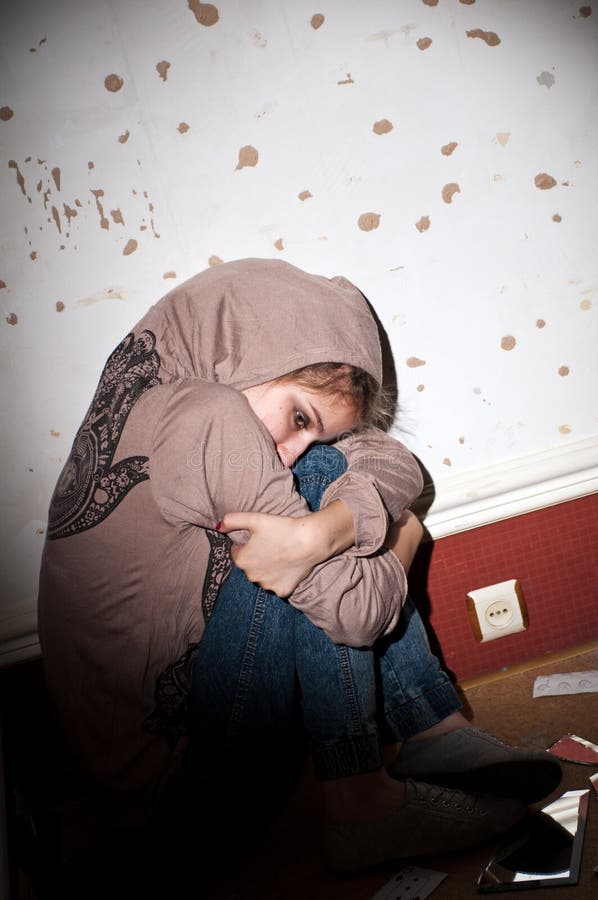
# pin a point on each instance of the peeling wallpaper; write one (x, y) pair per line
(440, 153)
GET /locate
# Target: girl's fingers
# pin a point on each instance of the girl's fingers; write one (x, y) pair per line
(241, 521)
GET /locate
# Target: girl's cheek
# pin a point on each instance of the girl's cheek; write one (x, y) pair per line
(277, 430)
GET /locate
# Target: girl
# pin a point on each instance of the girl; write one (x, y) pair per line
(199, 413)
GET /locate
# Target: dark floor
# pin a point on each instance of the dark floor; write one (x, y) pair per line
(58, 851)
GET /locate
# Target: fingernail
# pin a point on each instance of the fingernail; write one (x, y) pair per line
(218, 526)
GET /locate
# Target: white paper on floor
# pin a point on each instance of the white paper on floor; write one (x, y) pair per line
(566, 683)
(410, 882)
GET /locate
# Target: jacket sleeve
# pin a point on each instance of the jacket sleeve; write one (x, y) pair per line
(211, 455)
(382, 479)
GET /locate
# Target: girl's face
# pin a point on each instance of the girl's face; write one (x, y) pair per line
(296, 417)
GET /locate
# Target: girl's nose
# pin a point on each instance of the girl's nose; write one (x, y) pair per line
(291, 450)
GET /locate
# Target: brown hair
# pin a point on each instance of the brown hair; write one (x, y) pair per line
(350, 386)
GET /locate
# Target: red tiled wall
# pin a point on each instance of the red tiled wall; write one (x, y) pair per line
(553, 553)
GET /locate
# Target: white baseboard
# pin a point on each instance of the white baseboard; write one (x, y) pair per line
(462, 501)
(470, 499)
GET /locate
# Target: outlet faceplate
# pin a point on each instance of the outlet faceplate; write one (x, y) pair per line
(497, 610)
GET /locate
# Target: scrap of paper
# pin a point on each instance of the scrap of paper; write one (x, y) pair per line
(410, 883)
(566, 683)
(575, 749)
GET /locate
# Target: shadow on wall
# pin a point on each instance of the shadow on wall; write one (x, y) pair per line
(420, 568)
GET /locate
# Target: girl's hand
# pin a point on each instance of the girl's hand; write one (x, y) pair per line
(282, 551)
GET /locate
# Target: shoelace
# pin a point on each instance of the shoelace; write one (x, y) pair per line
(438, 796)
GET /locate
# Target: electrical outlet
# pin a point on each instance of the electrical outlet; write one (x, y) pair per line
(497, 610)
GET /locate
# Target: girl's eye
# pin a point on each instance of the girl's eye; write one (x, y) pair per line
(301, 420)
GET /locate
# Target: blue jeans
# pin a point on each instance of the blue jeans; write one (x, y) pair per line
(262, 666)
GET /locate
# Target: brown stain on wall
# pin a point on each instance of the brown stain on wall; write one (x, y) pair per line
(69, 212)
(585, 11)
(279, 244)
(162, 68)
(544, 182)
(6, 113)
(117, 217)
(170, 274)
(56, 217)
(503, 137)
(430, 2)
(317, 21)
(205, 13)
(214, 261)
(104, 223)
(152, 226)
(420, 388)
(305, 195)
(449, 149)
(56, 177)
(113, 83)
(2, 284)
(564, 371)
(123, 138)
(424, 43)
(449, 190)
(540, 323)
(59, 306)
(183, 127)
(467, 2)
(248, 156)
(585, 305)
(130, 247)
(489, 37)
(12, 319)
(414, 362)
(565, 429)
(347, 80)
(383, 126)
(110, 294)
(369, 221)
(557, 218)
(446, 461)
(423, 224)
(508, 342)
(20, 180)
(33, 255)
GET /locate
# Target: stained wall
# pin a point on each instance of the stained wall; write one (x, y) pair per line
(442, 155)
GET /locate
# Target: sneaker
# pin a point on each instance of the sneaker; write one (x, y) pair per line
(431, 820)
(474, 760)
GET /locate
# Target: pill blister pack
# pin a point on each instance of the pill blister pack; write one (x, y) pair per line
(566, 683)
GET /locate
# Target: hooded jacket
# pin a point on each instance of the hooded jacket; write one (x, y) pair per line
(132, 562)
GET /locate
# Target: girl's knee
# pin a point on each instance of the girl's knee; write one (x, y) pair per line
(322, 460)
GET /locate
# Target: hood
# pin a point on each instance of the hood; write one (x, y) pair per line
(246, 322)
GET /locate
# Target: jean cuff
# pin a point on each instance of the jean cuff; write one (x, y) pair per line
(349, 756)
(421, 712)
